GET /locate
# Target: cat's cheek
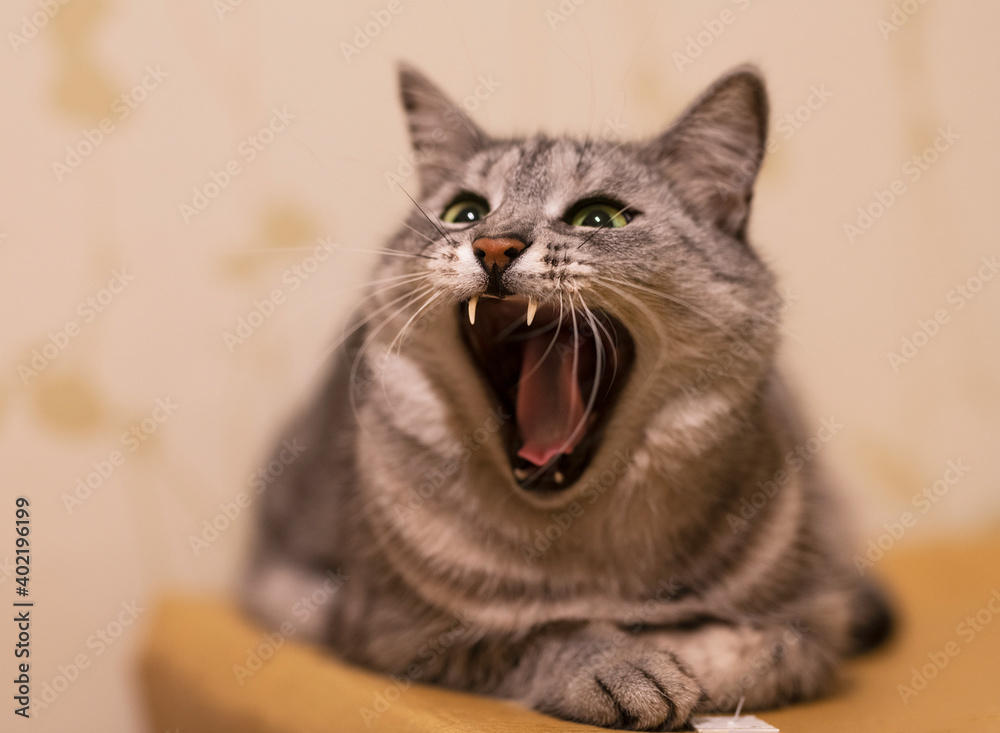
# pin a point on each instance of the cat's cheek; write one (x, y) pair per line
(591, 494)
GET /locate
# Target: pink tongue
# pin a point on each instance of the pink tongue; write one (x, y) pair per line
(549, 404)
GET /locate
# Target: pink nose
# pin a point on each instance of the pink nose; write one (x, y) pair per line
(496, 253)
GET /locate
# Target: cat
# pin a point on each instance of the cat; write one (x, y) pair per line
(555, 461)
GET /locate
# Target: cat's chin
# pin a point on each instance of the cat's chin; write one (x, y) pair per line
(559, 379)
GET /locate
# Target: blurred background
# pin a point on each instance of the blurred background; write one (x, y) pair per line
(169, 170)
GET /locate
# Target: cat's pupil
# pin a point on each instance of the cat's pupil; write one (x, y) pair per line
(595, 218)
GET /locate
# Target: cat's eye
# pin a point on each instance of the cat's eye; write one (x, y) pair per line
(466, 209)
(600, 214)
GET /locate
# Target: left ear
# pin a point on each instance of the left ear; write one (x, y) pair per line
(712, 153)
(443, 136)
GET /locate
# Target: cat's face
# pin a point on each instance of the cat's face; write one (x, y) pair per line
(579, 285)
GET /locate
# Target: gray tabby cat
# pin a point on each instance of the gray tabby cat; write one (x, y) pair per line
(555, 461)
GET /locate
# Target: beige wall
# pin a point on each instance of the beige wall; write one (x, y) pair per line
(213, 81)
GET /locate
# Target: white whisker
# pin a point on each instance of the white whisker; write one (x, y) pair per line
(413, 298)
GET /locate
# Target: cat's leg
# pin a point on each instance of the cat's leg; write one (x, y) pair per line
(765, 666)
(602, 675)
(655, 680)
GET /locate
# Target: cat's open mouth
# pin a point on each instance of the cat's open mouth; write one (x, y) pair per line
(558, 377)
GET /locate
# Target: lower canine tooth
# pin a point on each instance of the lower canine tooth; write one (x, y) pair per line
(558, 477)
(473, 302)
(532, 307)
(520, 474)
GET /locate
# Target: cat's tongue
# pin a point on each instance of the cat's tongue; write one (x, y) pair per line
(549, 403)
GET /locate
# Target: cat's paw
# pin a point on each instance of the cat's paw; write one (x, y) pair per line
(649, 690)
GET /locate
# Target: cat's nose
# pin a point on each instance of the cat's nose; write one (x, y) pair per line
(495, 254)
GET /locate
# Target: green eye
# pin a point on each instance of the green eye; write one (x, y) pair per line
(602, 214)
(466, 210)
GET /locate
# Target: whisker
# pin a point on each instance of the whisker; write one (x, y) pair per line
(595, 323)
(421, 234)
(361, 323)
(603, 226)
(392, 284)
(548, 349)
(400, 338)
(338, 248)
(681, 302)
(588, 410)
(428, 218)
(352, 391)
(650, 317)
(541, 469)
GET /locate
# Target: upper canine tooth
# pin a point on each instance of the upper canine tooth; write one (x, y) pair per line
(532, 307)
(473, 301)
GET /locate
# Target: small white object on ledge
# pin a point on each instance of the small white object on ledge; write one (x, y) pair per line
(731, 724)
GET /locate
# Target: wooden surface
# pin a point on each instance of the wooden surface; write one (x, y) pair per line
(195, 647)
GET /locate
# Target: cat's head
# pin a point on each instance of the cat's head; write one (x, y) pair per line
(582, 286)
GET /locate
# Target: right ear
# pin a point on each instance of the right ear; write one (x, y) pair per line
(443, 136)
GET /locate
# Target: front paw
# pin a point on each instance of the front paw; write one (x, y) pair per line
(630, 690)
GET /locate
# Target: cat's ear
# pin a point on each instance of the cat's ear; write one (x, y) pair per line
(443, 137)
(714, 150)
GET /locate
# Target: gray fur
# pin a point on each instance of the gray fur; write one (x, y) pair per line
(650, 602)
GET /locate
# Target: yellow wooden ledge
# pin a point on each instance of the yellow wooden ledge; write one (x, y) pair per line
(194, 644)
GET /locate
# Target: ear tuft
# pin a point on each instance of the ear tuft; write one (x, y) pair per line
(713, 152)
(443, 136)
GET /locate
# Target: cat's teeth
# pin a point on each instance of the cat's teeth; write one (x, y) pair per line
(520, 474)
(558, 477)
(473, 302)
(532, 307)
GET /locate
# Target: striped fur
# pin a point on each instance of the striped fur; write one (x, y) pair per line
(639, 594)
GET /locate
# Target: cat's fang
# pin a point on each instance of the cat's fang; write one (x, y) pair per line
(532, 307)
(473, 302)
